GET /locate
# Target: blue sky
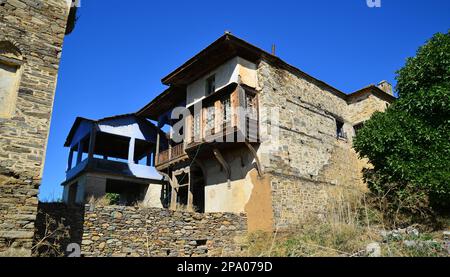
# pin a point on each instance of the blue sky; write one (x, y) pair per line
(114, 60)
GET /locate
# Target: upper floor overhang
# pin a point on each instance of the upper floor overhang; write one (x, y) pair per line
(163, 103)
(225, 48)
(219, 52)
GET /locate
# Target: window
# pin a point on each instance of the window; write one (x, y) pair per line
(340, 129)
(210, 117)
(226, 110)
(10, 62)
(211, 85)
(251, 105)
(196, 125)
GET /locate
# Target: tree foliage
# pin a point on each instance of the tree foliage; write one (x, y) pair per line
(409, 144)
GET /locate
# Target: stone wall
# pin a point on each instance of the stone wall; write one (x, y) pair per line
(57, 225)
(132, 231)
(119, 231)
(308, 160)
(36, 29)
(18, 205)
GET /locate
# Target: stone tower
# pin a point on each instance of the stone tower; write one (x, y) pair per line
(31, 38)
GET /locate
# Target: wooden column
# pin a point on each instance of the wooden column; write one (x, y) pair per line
(173, 197)
(92, 137)
(80, 151)
(69, 162)
(131, 150)
(157, 147)
(149, 159)
(190, 199)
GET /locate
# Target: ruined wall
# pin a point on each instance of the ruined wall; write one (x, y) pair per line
(37, 29)
(307, 160)
(132, 231)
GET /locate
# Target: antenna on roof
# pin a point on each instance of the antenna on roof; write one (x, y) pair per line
(273, 49)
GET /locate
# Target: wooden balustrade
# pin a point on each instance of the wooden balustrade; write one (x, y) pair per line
(171, 154)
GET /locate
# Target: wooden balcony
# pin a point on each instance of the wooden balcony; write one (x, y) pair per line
(231, 116)
(172, 154)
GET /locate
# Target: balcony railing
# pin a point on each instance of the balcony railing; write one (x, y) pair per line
(170, 154)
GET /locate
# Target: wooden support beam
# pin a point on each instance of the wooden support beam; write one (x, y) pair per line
(255, 156)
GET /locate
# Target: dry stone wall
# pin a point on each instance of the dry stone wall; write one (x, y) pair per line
(57, 225)
(119, 231)
(37, 29)
(138, 232)
(18, 205)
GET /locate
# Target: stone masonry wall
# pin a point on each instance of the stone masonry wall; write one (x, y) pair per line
(308, 159)
(57, 225)
(37, 29)
(132, 231)
(18, 205)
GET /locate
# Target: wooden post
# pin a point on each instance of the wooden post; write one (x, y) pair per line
(149, 159)
(92, 137)
(190, 195)
(157, 147)
(131, 151)
(80, 151)
(173, 198)
(69, 162)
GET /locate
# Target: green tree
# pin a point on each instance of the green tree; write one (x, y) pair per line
(409, 144)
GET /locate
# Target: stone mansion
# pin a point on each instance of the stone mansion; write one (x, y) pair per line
(191, 148)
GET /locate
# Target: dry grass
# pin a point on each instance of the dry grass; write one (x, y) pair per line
(342, 229)
(346, 226)
(16, 252)
(99, 201)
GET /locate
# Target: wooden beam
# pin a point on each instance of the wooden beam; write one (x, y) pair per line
(174, 194)
(190, 199)
(255, 156)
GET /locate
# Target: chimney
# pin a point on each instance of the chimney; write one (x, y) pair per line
(386, 87)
